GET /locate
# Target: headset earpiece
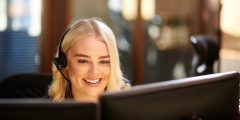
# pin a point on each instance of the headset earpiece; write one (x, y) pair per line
(60, 62)
(57, 63)
(64, 60)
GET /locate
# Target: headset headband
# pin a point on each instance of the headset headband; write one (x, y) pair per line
(60, 43)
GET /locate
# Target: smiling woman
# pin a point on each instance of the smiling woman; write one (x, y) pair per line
(92, 63)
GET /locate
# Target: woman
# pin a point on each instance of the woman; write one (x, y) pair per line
(93, 64)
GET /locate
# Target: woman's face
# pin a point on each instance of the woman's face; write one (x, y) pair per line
(88, 64)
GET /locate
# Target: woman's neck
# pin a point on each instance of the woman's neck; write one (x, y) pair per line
(81, 97)
(85, 99)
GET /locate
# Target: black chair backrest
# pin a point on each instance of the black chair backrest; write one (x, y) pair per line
(206, 52)
(25, 85)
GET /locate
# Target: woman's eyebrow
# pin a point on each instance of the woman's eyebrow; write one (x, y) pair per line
(102, 57)
(82, 55)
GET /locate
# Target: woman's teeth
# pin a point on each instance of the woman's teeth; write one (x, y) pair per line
(92, 81)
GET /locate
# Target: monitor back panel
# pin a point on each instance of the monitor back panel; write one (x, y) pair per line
(47, 110)
(206, 97)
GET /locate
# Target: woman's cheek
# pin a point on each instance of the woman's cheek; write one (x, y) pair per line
(107, 71)
(78, 70)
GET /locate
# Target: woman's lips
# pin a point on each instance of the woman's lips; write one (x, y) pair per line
(92, 82)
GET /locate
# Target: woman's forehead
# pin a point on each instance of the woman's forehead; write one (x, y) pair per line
(89, 45)
(89, 40)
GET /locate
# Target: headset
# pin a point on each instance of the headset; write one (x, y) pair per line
(61, 61)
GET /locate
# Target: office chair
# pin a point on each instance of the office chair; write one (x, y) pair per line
(25, 85)
(206, 52)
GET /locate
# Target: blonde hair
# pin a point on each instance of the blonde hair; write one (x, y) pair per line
(59, 89)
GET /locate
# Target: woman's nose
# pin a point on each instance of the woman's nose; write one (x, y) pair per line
(93, 69)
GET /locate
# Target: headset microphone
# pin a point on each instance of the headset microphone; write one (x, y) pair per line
(61, 61)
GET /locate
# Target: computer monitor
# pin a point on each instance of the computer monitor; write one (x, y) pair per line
(208, 97)
(41, 109)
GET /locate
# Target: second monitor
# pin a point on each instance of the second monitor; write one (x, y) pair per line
(208, 97)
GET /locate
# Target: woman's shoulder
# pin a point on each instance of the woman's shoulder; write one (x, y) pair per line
(126, 85)
(126, 81)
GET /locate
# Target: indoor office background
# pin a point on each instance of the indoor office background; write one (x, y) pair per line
(153, 36)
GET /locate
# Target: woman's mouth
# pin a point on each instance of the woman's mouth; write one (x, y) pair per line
(92, 82)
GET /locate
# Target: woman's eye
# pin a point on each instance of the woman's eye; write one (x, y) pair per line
(82, 61)
(104, 62)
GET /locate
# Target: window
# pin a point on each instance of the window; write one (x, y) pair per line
(19, 33)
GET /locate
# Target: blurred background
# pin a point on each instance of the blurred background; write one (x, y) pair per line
(153, 36)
